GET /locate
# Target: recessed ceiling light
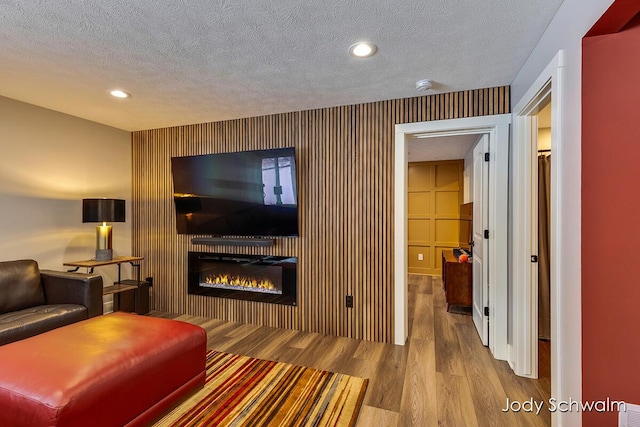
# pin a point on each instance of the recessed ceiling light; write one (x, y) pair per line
(120, 94)
(363, 49)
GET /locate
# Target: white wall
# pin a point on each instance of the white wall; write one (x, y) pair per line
(468, 178)
(49, 161)
(572, 21)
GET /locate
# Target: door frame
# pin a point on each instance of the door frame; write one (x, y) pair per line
(525, 291)
(498, 128)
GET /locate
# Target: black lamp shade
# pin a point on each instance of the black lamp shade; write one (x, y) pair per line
(102, 210)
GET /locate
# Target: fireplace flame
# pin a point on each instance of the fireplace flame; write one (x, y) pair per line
(240, 281)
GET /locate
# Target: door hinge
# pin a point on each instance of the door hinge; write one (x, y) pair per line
(486, 311)
(534, 258)
(486, 157)
(486, 234)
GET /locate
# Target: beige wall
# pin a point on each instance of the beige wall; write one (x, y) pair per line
(544, 138)
(49, 161)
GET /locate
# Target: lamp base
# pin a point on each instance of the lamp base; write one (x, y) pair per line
(104, 254)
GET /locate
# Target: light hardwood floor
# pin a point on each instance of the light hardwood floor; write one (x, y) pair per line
(442, 377)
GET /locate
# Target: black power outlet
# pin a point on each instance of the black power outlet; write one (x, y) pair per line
(349, 301)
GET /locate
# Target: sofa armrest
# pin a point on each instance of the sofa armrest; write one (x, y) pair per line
(73, 288)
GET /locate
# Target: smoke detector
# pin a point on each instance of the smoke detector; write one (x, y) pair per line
(424, 85)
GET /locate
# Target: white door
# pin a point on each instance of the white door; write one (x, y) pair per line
(480, 243)
(534, 243)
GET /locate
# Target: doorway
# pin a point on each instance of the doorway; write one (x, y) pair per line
(447, 211)
(497, 129)
(546, 90)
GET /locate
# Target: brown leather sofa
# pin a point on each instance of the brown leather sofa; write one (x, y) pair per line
(34, 301)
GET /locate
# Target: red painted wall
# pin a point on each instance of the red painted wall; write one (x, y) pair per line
(611, 220)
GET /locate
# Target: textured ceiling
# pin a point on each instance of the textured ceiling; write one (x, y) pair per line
(440, 148)
(207, 60)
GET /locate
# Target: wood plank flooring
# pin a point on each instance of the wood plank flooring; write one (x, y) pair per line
(444, 376)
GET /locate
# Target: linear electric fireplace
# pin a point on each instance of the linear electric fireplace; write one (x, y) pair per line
(261, 278)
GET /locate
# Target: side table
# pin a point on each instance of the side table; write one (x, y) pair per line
(457, 279)
(137, 288)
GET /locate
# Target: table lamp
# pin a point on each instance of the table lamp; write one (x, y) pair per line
(103, 210)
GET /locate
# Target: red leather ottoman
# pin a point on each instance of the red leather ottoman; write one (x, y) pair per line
(114, 370)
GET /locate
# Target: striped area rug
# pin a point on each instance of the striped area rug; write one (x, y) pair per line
(241, 391)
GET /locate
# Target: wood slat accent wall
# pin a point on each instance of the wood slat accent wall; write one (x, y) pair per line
(344, 158)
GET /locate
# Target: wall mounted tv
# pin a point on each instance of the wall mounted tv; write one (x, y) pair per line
(248, 193)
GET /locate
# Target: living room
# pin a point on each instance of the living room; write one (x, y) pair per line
(52, 159)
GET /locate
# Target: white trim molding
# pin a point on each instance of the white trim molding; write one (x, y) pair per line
(400, 263)
(525, 290)
(497, 127)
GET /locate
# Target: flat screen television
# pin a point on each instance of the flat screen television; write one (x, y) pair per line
(246, 194)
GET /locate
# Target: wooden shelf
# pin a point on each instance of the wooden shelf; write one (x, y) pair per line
(133, 293)
(90, 263)
(117, 288)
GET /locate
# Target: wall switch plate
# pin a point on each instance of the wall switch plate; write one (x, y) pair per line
(420, 257)
(349, 301)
